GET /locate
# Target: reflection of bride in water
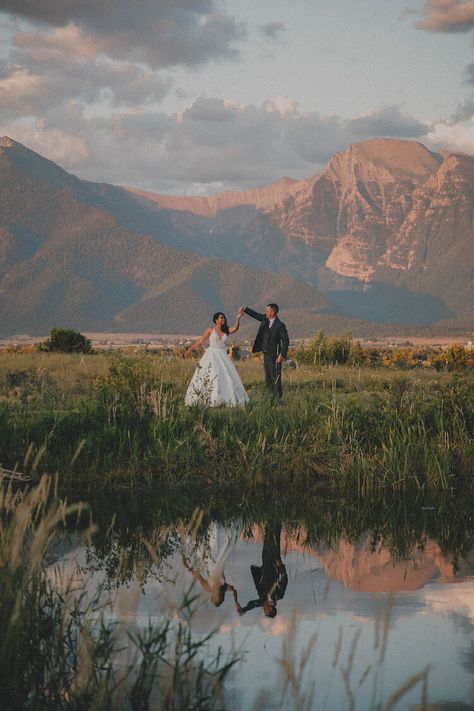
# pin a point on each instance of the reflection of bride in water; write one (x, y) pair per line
(208, 570)
(270, 578)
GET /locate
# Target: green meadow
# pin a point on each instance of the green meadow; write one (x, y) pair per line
(106, 420)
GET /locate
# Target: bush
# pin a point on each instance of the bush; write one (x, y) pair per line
(324, 350)
(67, 341)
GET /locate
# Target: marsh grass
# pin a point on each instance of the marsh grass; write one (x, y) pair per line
(122, 418)
(57, 648)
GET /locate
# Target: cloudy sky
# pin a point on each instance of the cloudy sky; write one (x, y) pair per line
(197, 96)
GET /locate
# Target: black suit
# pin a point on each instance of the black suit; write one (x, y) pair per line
(270, 578)
(271, 342)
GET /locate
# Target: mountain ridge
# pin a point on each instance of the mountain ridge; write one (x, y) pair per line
(383, 234)
(82, 268)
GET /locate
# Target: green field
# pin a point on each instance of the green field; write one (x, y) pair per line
(119, 419)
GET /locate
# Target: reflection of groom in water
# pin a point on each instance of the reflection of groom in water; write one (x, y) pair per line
(270, 578)
(272, 340)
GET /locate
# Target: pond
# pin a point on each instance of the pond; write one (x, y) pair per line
(333, 603)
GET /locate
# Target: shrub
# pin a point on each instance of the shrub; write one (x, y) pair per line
(324, 350)
(67, 340)
(358, 355)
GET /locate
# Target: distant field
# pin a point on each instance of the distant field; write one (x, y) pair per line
(430, 342)
(139, 339)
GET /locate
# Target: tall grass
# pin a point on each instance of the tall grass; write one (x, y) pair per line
(57, 648)
(123, 419)
(301, 688)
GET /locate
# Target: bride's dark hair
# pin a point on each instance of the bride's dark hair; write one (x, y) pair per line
(225, 327)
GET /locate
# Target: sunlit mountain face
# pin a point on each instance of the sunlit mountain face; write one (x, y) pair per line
(382, 236)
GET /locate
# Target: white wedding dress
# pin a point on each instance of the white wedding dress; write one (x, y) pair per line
(215, 380)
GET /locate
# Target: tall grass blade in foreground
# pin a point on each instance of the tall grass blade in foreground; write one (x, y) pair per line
(57, 648)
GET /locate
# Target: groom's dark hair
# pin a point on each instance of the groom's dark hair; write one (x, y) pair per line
(274, 307)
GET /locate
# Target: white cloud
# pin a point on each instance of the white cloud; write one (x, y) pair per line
(48, 69)
(285, 106)
(448, 16)
(212, 145)
(452, 136)
(84, 82)
(450, 599)
(67, 39)
(20, 90)
(161, 33)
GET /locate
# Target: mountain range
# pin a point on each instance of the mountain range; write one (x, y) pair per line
(381, 240)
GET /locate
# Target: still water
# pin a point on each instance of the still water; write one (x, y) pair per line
(355, 614)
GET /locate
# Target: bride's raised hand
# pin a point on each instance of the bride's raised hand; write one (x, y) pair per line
(240, 312)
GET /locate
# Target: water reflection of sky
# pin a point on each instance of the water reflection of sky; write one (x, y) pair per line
(335, 594)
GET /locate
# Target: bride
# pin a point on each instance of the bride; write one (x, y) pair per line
(215, 380)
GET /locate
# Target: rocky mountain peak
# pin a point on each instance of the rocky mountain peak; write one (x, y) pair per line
(6, 142)
(28, 161)
(457, 169)
(382, 160)
(397, 155)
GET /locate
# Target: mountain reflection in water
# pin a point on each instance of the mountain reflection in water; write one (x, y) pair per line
(374, 606)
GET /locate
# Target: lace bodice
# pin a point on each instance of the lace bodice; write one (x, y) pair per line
(216, 342)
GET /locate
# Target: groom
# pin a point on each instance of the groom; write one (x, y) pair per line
(272, 340)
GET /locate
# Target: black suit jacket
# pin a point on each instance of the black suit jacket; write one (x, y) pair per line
(270, 580)
(278, 341)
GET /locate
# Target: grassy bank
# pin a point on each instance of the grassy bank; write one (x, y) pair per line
(106, 419)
